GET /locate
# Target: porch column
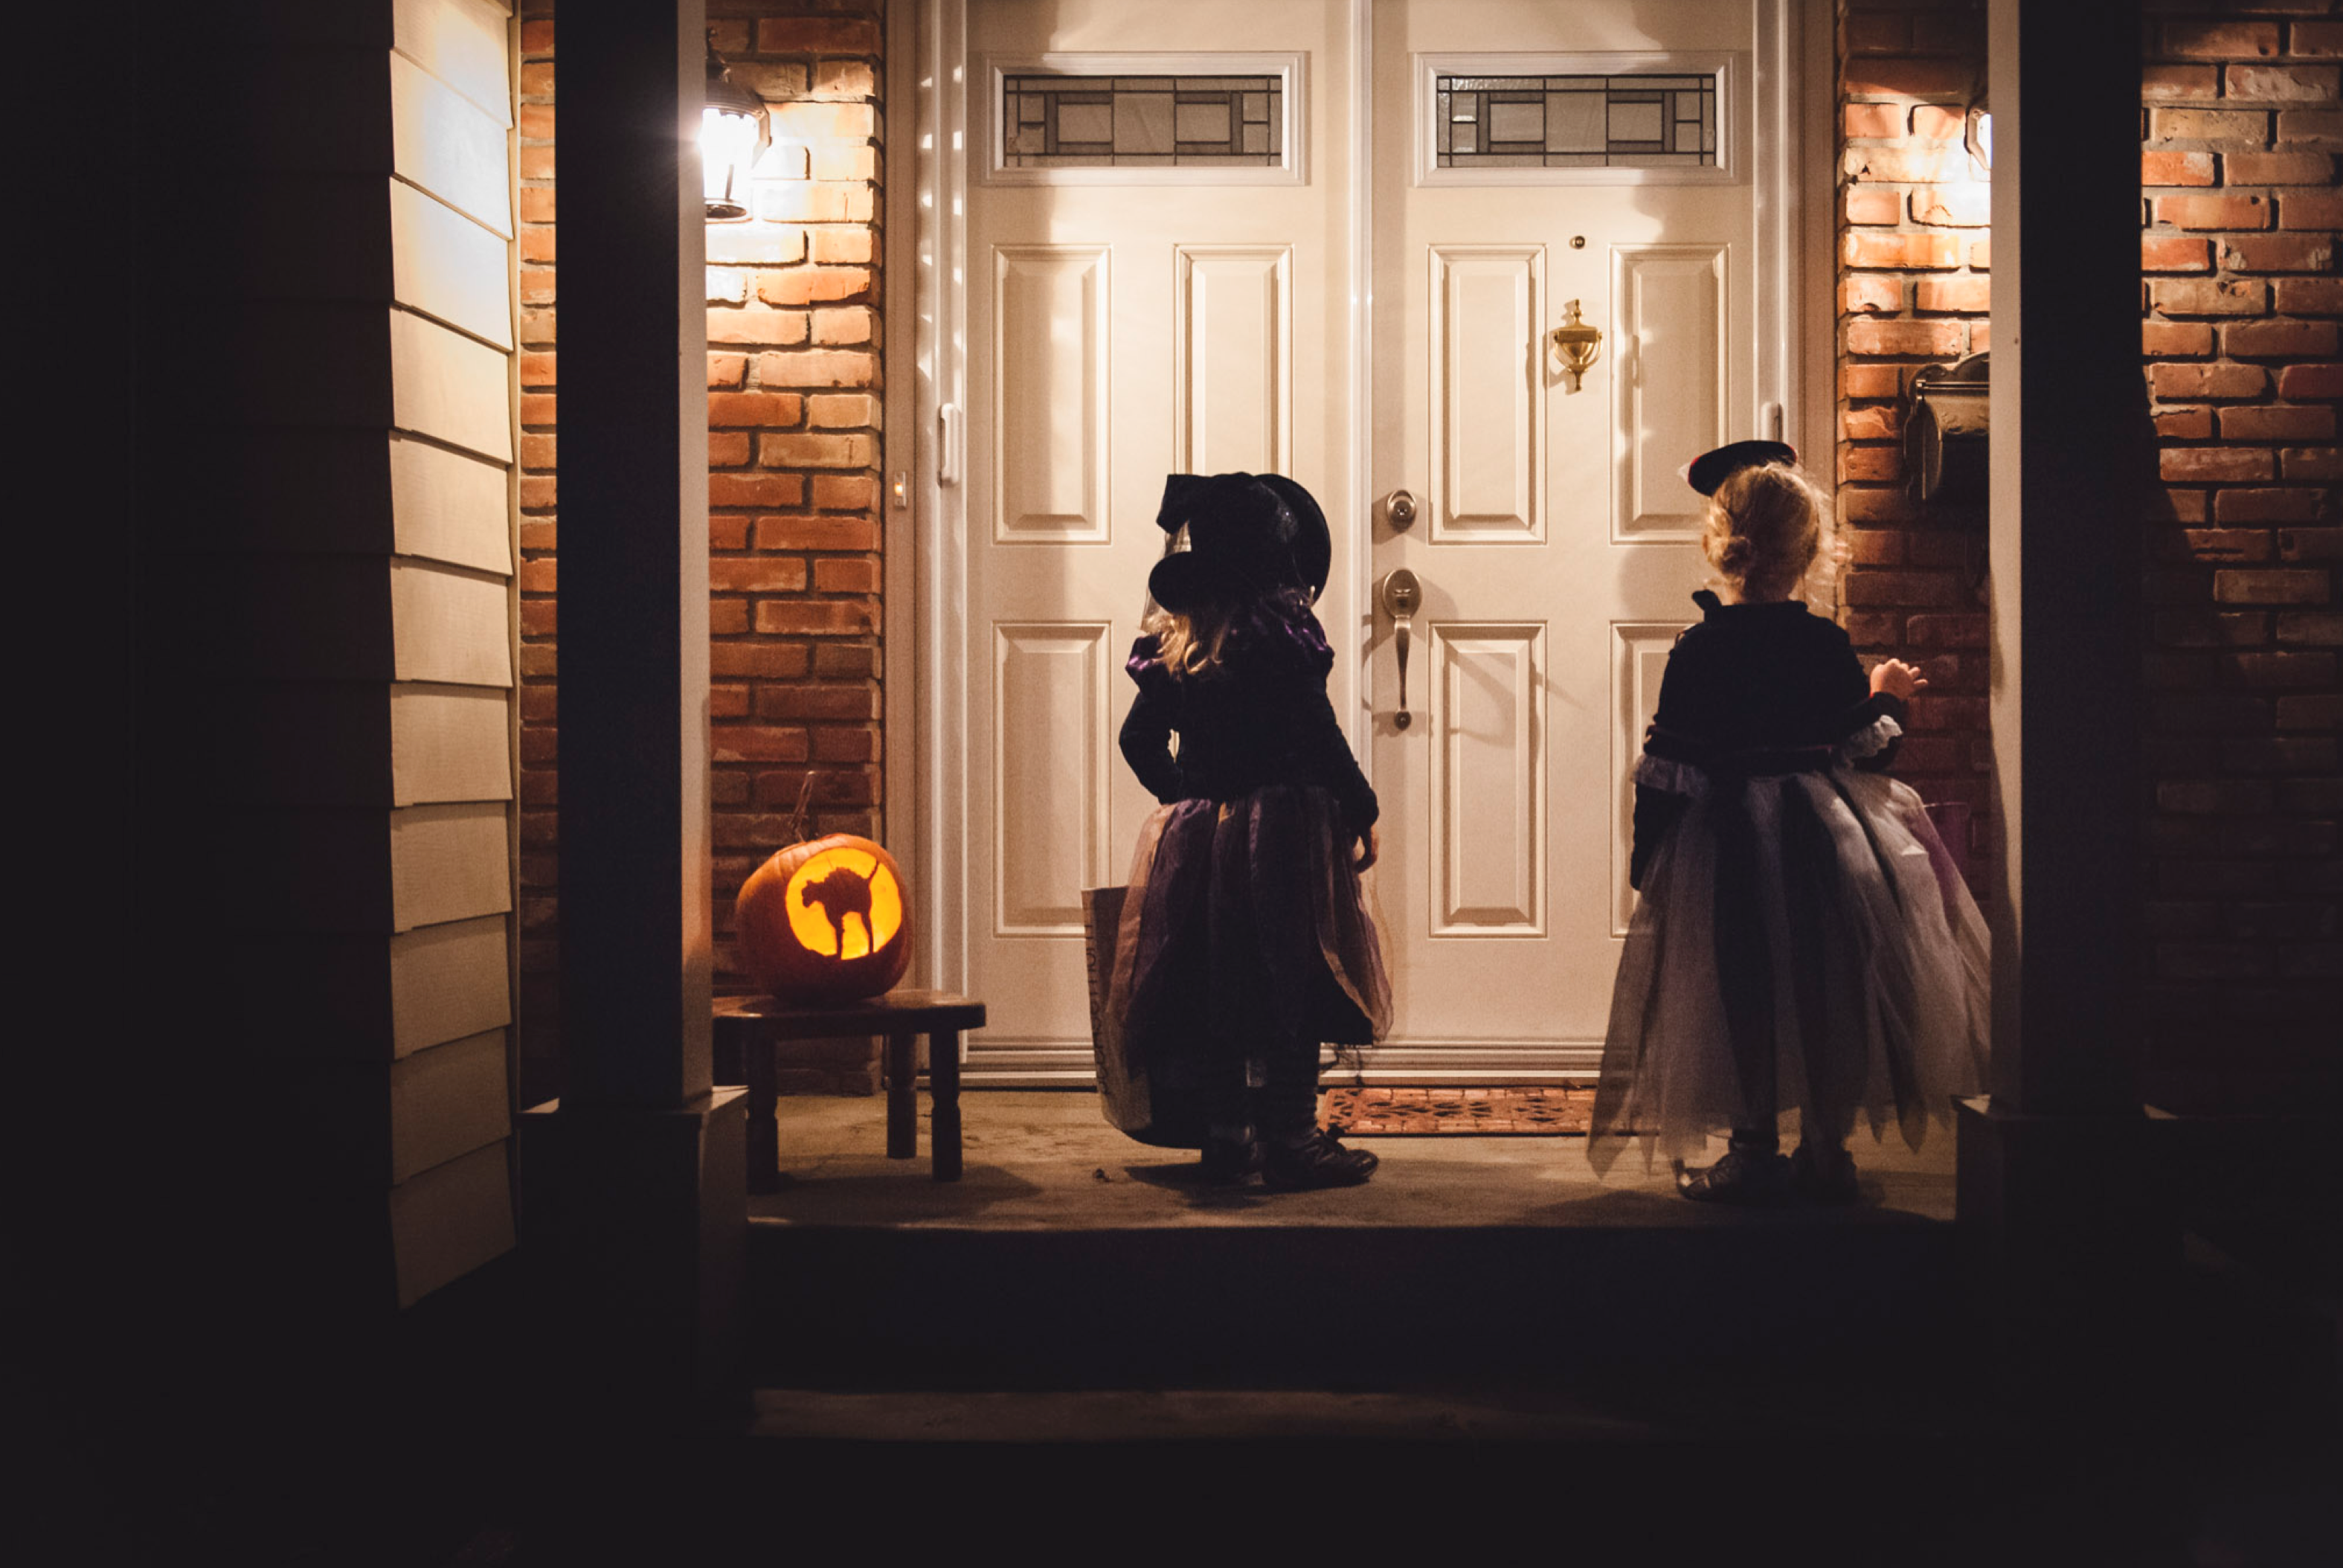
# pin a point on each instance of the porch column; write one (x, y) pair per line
(636, 1176)
(2051, 1166)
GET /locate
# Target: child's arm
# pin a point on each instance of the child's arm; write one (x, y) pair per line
(1146, 741)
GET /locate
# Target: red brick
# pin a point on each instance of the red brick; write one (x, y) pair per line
(756, 489)
(2310, 545)
(540, 452)
(1929, 590)
(847, 325)
(2320, 127)
(832, 246)
(2248, 126)
(2175, 381)
(539, 243)
(2214, 465)
(1967, 631)
(817, 451)
(1874, 464)
(2275, 587)
(1871, 291)
(2311, 381)
(2171, 338)
(539, 493)
(2289, 83)
(1863, 120)
(835, 661)
(757, 327)
(2230, 547)
(535, 163)
(1981, 255)
(816, 36)
(759, 660)
(758, 743)
(2318, 39)
(2309, 295)
(728, 370)
(539, 204)
(1868, 504)
(2208, 295)
(2266, 506)
(817, 617)
(841, 574)
(815, 201)
(2292, 670)
(2278, 252)
(536, 408)
(728, 449)
(2279, 339)
(756, 573)
(1870, 380)
(768, 410)
(1901, 250)
(820, 367)
(1872, 422)
(2182, 505)
(2179, 82)
(814, 285)
(1907, 163)
(841, 411)
(1953, 206)
(2220, 40)
(2165, 169)
(831, 703)
(1872, 628)
(1874, 205)
(1903, 77)
(536, 39)
(728, 531)
(2324, 210)
(727, 616)
(755, 243)
(2277, 168)
(844, 492)
(536, 369)
(728, 701)
(2174, 253)
(2184, 424)
(1932, 339)
(2303, 463)
(2268, 423)
(844, 79)
(2311, 628)
(801, 533)
(2201, 212)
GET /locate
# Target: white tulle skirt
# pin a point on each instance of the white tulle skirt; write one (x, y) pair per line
(1804, 942)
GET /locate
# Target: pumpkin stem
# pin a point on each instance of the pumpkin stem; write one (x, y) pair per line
(797, 822)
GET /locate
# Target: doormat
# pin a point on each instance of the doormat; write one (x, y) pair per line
(1539, 1111)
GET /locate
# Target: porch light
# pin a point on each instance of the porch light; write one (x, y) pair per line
(733, 129)
(1977, 135)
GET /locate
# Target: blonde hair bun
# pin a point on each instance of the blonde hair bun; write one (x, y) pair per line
(1766, 525)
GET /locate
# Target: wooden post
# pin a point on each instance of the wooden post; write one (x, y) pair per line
(640, 1165)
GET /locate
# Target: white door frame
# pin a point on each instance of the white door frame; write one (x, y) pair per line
(927, 401)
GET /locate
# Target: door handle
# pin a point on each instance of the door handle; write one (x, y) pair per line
(1402, 596)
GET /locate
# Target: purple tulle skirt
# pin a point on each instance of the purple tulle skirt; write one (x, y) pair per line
(1244, 925)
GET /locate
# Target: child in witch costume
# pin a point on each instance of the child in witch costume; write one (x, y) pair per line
(1803, 940)
(1244, 940)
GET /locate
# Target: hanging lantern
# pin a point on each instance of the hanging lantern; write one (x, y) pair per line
(733, 129)
(824, 920)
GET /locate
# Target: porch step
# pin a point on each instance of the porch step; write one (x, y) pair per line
(1334, 1307)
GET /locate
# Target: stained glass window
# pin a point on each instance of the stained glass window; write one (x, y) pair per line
(1142, 122)
(1575, 122)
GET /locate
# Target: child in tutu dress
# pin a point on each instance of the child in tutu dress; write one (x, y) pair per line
(1244, 940)
(1803, 940)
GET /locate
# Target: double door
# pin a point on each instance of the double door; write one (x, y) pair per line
(1336, 241)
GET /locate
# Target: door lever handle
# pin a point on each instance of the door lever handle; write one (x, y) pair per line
(1402, 596)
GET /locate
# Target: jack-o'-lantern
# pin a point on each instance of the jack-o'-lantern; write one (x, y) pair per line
(825, 920)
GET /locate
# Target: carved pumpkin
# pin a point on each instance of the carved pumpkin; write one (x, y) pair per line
(825, 922)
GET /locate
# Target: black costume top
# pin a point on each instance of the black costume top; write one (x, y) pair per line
(1751, 690)
(1260, 718)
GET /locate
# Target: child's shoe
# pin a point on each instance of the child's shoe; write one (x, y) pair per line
(1316, 1160)
(1824, 1177)
(1230, 1162)
(1743, 1178)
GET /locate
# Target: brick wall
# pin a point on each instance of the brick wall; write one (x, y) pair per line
(2240, 298)
(1912, 291)
(794, 518)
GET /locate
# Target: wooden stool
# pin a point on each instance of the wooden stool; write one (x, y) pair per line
(747, 1028)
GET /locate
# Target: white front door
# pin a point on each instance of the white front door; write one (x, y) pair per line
(1176, 260)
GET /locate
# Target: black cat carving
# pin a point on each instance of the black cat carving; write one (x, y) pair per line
(844, 892)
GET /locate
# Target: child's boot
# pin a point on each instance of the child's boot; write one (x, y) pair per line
(1232, 1156)
(1315, 1158)
(1752, 1174)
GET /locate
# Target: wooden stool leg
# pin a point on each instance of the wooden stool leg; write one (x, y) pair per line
(764, 1121)
(943, 1086)
(902, 1100)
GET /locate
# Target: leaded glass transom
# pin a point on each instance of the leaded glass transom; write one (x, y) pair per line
(1055, 121)
(1653, 121)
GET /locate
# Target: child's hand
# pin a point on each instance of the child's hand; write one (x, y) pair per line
(1364, 855)
(1896, 679)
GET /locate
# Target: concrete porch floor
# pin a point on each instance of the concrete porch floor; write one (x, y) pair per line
(1045, 1160)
